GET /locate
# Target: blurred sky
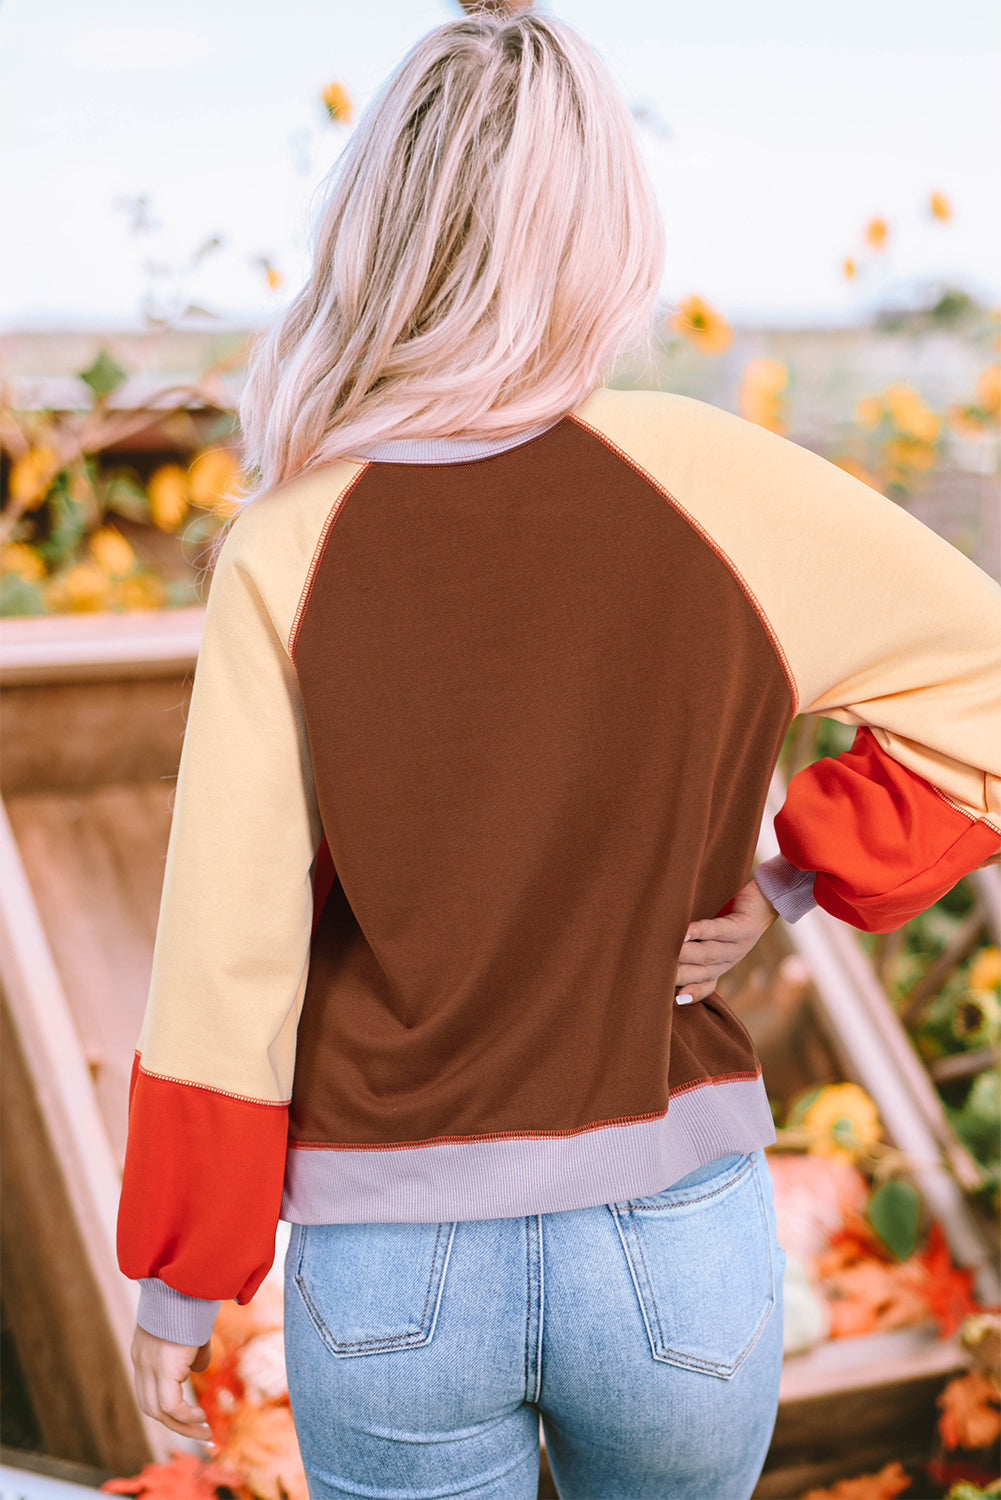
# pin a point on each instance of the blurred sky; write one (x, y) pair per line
(787, 125)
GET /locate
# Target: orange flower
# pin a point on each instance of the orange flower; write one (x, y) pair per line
(168, 498)
(335, 97)
(22, 559)
(758, 396)
(273, 276)
(876, 232)
(910, 414)
(111, 551)
(211, 479)
(869, 411)
(849, 268)
(890, 1481)
(939, 207)
(31, 476)
(702, 325)
(908, 456)
(83, 587)
(141, 591)
(968, 421)
(989, 391)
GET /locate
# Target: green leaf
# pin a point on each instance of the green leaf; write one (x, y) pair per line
(104, 375)
(978, 1122)
(181, 592)
(127, 498)
(18, 596)
(894, 1212)
(801, 1103)
(68, 525)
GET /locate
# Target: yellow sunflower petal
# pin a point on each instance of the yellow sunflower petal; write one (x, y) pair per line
(700, 323)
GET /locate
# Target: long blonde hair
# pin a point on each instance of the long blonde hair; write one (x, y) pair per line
(490, 245)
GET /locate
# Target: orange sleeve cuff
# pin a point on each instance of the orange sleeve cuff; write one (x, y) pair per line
(884, 843)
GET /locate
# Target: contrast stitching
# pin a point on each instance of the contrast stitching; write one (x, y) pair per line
(418, 1336)
(701, 1083)
(462, 1140)
(314, 564)
(540, 1329)
(711, 542)
(524, 1135)
(211, 1089)
(528, 1299)
(958, 807)
(696, 1361)
(701, 1198)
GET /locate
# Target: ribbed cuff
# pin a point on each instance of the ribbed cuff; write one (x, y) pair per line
(171, 1315)
(789, 890)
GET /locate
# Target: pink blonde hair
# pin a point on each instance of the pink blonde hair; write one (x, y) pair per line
(489, 246)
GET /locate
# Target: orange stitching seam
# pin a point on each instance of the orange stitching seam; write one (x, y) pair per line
(314, 563)
(209, 1088)
(519, 1135)
(711, 542)
(958, 807)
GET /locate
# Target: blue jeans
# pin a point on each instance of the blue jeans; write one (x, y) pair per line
(647, 1334)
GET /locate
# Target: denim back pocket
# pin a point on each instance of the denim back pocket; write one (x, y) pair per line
(372, 1288)
(703, 1260)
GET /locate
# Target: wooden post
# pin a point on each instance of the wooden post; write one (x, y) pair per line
(93, 717)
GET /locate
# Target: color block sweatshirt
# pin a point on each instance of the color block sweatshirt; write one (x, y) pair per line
(470, 743)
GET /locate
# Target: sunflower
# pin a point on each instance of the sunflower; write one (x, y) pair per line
(702, 325)
(335, 97)
(939, 207)
(876, 232)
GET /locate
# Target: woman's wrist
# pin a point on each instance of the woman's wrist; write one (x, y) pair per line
(788, 890)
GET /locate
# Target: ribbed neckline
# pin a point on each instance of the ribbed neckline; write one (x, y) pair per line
(448, 449)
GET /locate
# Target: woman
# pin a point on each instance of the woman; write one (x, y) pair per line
(495, 671)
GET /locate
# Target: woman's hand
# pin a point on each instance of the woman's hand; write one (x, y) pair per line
(161, 1368)
(716, 944)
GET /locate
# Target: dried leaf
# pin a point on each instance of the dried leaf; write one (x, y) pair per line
(262, 1445)
(261, 1367)
(970, 1411)
(891, 1480)
(185, 1477)
(949, 1288)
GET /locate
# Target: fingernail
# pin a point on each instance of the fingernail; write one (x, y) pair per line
(685, 999)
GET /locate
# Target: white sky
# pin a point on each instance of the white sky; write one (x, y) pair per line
(791, 123)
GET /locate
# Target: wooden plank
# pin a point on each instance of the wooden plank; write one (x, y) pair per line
(101, 645)
(71, 1311)
(95, 863)
(880, 1388)
(67, 735)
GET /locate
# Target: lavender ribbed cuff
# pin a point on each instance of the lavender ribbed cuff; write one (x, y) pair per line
(171, 1315)
(789, 890)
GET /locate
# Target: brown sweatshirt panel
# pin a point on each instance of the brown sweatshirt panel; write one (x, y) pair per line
(542, 716)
